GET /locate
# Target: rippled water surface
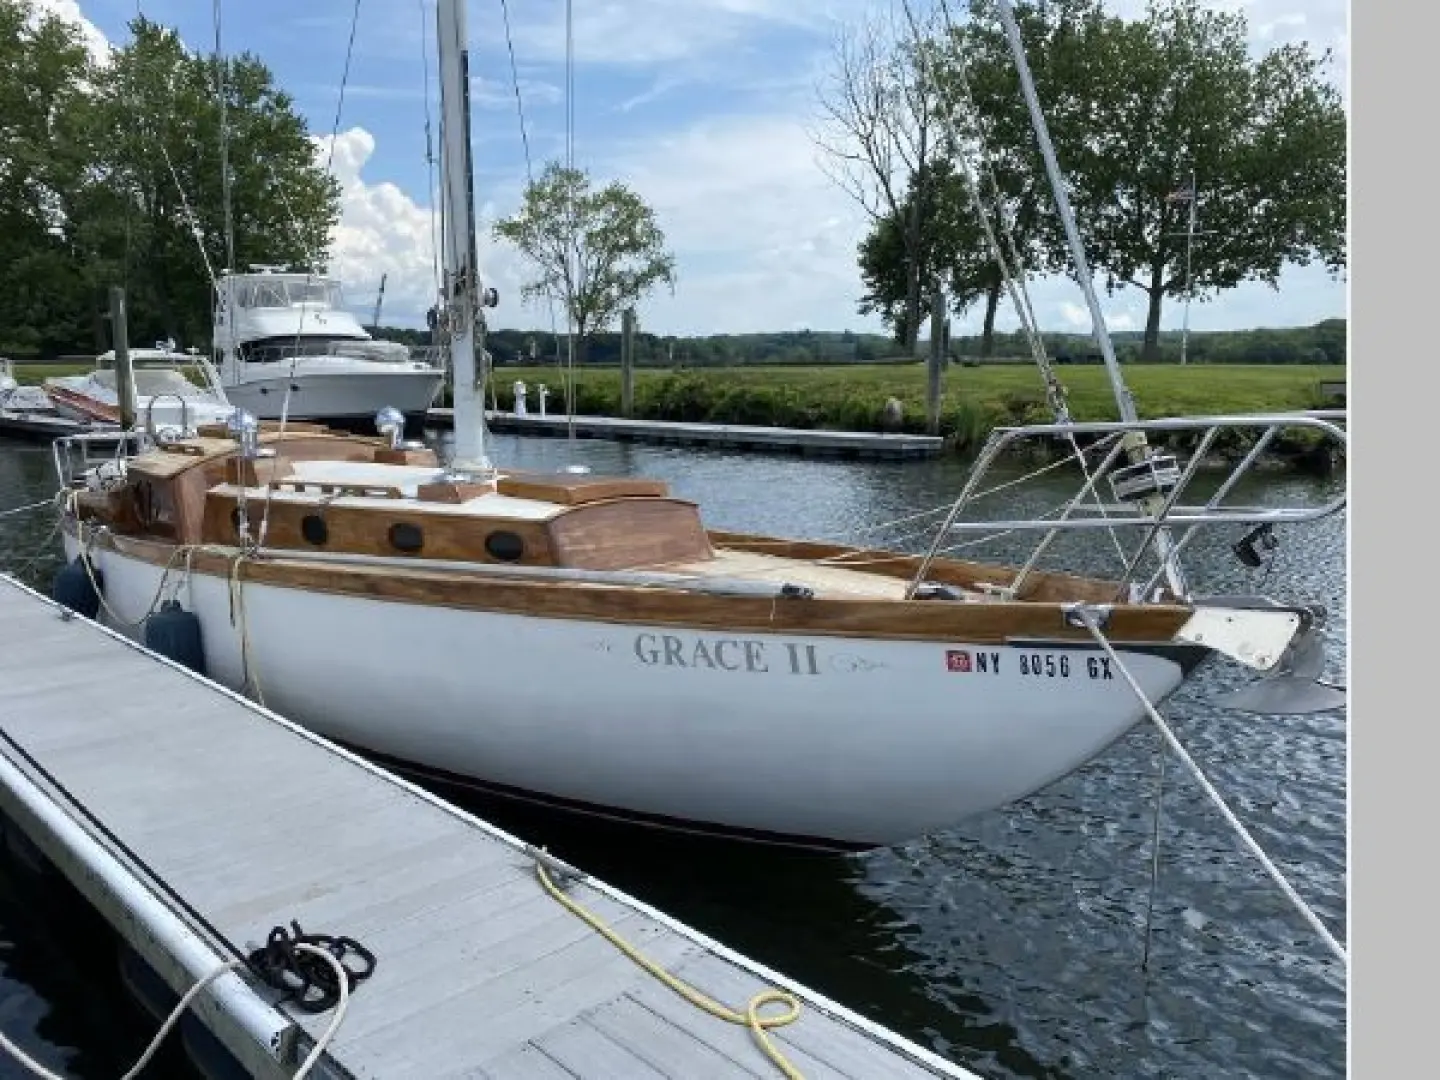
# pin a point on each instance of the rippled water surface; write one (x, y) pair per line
(1011, 944)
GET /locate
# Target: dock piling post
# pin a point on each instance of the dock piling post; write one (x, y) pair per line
(937, 361)
(124, 372)
(627, 363)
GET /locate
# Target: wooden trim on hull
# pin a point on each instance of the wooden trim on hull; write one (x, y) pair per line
(941, 621)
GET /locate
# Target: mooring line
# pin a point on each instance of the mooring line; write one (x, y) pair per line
(1087, 616)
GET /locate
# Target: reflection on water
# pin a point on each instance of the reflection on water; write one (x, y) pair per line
(1011, 943)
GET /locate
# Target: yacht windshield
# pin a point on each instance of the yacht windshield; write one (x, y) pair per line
(150, 382)
(284, 292)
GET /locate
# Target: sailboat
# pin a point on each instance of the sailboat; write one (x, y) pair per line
(589, 643)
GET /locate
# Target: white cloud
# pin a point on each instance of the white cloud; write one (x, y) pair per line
(382, 230)
(385, 231)
(761, 237)
(69, 11)
(1076, 318)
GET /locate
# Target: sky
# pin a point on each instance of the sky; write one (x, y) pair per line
(706, 108)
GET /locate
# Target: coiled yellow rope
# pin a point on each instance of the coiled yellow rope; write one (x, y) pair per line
(750, 1018)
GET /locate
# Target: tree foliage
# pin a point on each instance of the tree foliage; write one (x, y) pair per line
(598, 251)
(880, 138)
(1134, 108)
(127, 189)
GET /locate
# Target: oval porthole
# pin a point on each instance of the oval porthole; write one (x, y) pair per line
(505, 546)
(406, 537)
(314, 529)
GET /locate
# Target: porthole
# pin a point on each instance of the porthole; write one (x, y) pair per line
(505, 546)
(314, 529)
(406, 537)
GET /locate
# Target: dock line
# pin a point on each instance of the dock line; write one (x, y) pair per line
(26, 509)
(750, 1018)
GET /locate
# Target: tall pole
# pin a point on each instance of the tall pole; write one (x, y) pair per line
(462, 290)
(1189, 279)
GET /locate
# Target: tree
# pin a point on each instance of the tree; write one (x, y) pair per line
(1138, 106)
(161, 191)
(879, 134)
(42, 168)
(983, 151)
(599, 251)
(109, 172)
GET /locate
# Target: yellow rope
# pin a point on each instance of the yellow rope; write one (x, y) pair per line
(750, 1018)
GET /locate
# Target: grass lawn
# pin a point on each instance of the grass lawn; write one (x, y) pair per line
(975, 399)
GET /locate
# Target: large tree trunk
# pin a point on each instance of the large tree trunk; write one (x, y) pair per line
(987, 335)
(1151, 350)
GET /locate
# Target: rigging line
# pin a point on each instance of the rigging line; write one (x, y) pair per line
(310, 270)
(429, 149)
(1086, 615)
(1013, 278)
(525, 138)
(570, 247)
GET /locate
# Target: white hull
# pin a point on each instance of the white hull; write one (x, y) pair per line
(350, 392)
(843, 741)
(77, 400)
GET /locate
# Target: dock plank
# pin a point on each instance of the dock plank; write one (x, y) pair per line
(733, 1041)
(527, 1062)
(670, 1048)
(480, 972)
(817, 441)
(586, 1051)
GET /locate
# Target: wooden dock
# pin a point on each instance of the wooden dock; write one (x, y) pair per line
(197, 821)
(808, 442)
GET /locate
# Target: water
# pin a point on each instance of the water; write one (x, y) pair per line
(1012, 944)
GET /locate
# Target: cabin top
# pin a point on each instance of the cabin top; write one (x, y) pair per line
(323, 492)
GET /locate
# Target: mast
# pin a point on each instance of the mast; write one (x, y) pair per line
(1145, 479)
(463, 295)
